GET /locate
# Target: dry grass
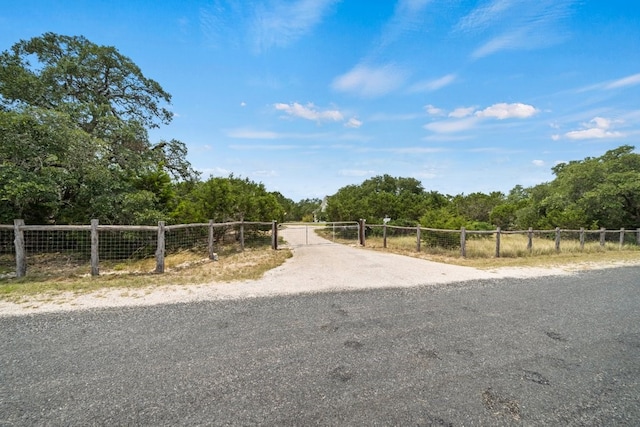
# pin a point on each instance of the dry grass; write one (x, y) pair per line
(55, 273)
(513, 252)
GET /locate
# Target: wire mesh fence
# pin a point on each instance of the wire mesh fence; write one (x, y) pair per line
(80, 248)
(497, 243)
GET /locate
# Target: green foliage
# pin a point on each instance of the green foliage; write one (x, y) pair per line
(228, 199)
(73, 136)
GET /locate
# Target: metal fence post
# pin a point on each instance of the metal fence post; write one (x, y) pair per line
(160, 249)
(95, 248)
(21, 256)
(498, 242)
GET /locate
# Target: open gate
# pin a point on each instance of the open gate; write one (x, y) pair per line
(319, 233)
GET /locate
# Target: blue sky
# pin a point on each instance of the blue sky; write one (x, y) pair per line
(307, 96)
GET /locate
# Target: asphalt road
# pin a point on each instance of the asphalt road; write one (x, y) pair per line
(546, 351)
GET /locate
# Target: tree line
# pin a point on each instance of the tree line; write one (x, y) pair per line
(74, 145)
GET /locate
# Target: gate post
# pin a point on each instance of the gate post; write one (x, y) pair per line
(21, 257)
(361, 235)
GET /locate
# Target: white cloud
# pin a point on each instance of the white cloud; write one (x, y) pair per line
(538, 163)
(309, 112)
(452, 126)
(370, 81)
(503, 111)
(624, 82)
(279, 24)
(353, 123)
(432, 85)
(517, 24)
(433, 111)
(243, 104)
(596, 128)
(461, 112)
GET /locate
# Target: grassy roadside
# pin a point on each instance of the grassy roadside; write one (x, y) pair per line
(55, 274)
(482, 254)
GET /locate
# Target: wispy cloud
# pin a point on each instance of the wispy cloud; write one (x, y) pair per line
(433, 85)
(264, 24)
(623, 82)
(309, 112)
(370, 82)
(538, 163)
(278, 24)
(407, 16)
(516, 24)
(596, 128)
(353, 123)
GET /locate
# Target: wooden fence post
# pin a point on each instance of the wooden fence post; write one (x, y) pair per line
(581, 238)
(95, 251)
(361, 235)
(21, 256)
(463, 242)
(602, 236)
(274, 235)
(498, 242)
(418, 239)
(621, 238)
(384, 235)
(210, 247)
(160, 249)
(242, 234)
(530, 240)
(638, 236)
(557, 239)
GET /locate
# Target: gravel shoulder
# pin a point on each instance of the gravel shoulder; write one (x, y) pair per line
(319, 266)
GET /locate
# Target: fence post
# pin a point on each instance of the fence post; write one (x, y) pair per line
(638, 236)
(160, 249)
(95, 245)
(384, 235)
(602, 236)
(530, 240)
(557, 239)
(498, 242)
(581, 238)
(242, 233)
(621, 238)
(463, 242)
(274, 235)
(210, 247)
(21, 256)
(361, 234)
(418, 238)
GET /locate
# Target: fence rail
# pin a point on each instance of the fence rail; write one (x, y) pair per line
(523, 242)
(91, 243)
